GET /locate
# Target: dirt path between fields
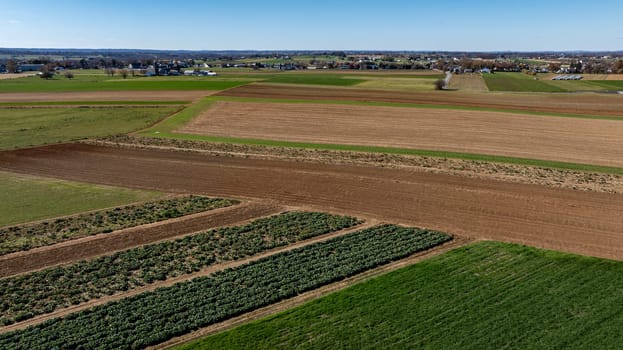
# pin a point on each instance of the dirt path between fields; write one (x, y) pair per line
(586, 223)
(311, 295)
(108, 243)
(104, 96)
(575, 140)
(171, 281)
(575, 103)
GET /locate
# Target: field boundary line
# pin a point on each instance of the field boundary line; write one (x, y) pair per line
(206, 271)
(317, 293)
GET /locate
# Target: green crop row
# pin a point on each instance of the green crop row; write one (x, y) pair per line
(153, 317)
(28, 236)
(44, 291)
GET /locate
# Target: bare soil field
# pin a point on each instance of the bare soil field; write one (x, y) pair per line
(559, 178)
(103, 244)
(589, 141)
(602, 76)
(576, 103)
(468, 82)
(104, 96)
(573, 221)
(15, 75)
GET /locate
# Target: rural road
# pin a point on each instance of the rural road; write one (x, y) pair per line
(565, 220)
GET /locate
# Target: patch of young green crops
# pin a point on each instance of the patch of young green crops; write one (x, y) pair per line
(44, 291)
(315, 79)
(153, 317)
(28, 236)
(104, 83)
(25, 127)
(486, 295)
(518, 82)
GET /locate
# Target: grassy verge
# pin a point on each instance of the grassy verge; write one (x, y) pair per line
(484, 296)
(26, 198)
(31, 127)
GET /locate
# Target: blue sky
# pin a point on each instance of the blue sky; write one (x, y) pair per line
(315, 25)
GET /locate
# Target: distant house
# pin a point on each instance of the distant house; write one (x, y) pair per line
(29, 67)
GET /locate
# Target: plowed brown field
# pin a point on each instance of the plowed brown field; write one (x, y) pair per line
(574, 221)
(590, 141)
(587, 103)
(104, 96)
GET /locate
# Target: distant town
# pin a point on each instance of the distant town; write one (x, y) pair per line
(151, 62)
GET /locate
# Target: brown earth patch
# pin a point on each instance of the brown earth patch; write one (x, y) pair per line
(468, 82)
(16, 75)
(589, 141)
(574, 103)
(104, 244)
(104, 96)
(572, 221)
(558, 178)
(602, 76)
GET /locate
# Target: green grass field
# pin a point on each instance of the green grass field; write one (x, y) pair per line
(518, 82)
(104, 83)
(486, 295)
(314, 79)
(26, 198)
(23, 127)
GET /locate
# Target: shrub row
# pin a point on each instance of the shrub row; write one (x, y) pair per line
(153, 317)
(44, 291)
(28, 236)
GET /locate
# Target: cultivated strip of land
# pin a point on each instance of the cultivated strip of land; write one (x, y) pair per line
(571, 140)
(311, 295)
(588, 103)
(38, 234)
(108, 243)
(551, 177)
(47, 290)
(151, 318)
(485, 295)
(574, 221)
(184, 278)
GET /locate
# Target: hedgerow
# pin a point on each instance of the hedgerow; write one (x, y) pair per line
(41, 292)
(153, 317)
(28, 236)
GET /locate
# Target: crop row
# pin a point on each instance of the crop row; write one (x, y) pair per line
(44, 291)
(153, 317)
(28, 236)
